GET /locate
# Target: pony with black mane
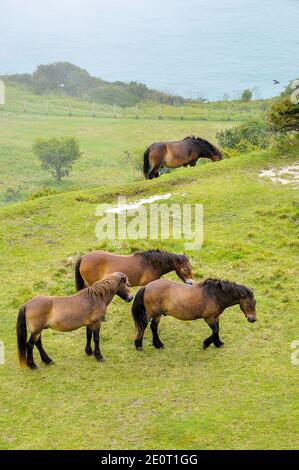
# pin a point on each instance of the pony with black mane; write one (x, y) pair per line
(184, 152)
(141, 268)
(87, 307)
(206, 300)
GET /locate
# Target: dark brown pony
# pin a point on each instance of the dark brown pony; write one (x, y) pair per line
(175, 154)
(88, 307)
(141, 268)
(206, 300)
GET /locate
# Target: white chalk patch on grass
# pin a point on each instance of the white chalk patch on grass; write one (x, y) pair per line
(286, 175)
(134, 205)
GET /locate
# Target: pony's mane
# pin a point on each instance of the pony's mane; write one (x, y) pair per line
(160, 258)
(100, 289)
(203, 141)
(226, 287)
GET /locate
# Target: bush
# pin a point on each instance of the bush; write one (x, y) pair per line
(245, 137)
(247, 95)
(57, 155)
(287, 144)
(283, 116)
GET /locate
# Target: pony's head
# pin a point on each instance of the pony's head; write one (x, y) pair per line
(247, 305)
(229, 293)
(183, 269)
(124, 291)
(207, 150)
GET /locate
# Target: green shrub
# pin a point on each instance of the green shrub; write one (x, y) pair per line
(287, 144)
(244, 137)
(247, 95)
(284, 116)
(57, 155)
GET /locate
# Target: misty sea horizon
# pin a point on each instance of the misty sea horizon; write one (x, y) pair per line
(196, 48)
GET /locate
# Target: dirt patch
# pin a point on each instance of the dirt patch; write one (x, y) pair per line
(286, 175)
(134, 205)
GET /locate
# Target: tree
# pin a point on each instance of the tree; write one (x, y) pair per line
(283, 116)
(57, 155)
(246, 95)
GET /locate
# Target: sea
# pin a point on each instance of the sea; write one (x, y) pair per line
(212, 49)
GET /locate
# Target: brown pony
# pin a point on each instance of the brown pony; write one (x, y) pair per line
(141, 268)
(88, 307)
(206, 300)
(175, 154)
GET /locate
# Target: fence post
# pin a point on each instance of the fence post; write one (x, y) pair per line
(94, 110)
(114, 110)
(47, 107)
(137, 112)
(70, 110)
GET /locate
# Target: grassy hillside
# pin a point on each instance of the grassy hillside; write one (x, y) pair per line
(243, 396)
(103, 139)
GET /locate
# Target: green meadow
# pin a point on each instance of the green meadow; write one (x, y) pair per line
(111, 146)
(243, 396)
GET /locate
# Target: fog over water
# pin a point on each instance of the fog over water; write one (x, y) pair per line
(193, 47)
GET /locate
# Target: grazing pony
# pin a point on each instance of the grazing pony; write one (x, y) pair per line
(88, 307)
(206, 300)
(175, 154)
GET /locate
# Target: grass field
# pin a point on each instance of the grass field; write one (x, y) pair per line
(242, 396)
(104, 140)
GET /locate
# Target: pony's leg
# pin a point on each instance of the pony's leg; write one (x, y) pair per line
(154, 327)
(139, 337)
(30, 345)
(154, 173)
(213, 324)
(96, 338)
(217, 341)
(88, 348)
(43, 355)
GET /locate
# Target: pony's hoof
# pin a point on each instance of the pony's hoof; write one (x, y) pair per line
(33, 366)
(50, 363)
(89, 351)
(159, 346)
(139, 348)
(219, 345)
(205, 345)
(100, 358)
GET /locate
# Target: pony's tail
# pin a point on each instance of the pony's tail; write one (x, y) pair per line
(146, 164)
(78, 278)
(138, 310)
(22, 335)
